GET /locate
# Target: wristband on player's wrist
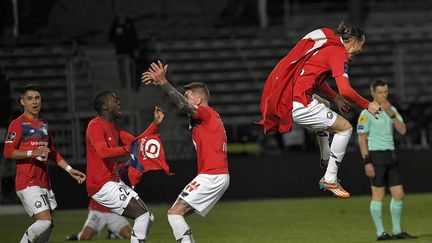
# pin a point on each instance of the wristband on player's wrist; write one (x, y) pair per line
(366, 159)
(29, 153)
(68, 169)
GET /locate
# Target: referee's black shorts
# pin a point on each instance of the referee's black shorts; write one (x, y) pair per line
(386, 168)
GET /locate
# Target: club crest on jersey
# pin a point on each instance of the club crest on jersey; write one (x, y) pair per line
(329, 115)
(38, 204)
(150, 148)
(11, 137)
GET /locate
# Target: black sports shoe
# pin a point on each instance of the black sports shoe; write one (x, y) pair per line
(385, 236)
(403, 236)
(72, 237)
(323, 163)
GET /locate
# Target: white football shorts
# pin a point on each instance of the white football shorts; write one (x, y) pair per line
(203, 192)
(98, 220)
(36, 199)
(115, 196)
(315, 116)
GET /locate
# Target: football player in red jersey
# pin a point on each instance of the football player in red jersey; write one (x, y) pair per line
(105, 141)
(288, 94)
(210, 141)
(29, 143)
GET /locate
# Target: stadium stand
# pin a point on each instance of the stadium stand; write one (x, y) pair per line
(234, 62)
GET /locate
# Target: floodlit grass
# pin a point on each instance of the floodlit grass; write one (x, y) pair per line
(289, 220)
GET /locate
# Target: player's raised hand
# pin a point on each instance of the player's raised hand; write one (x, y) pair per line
(158, 115)
(342, 104)
(77, 175)
(374, 108)
(156, 74)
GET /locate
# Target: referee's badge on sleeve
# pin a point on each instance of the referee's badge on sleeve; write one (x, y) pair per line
(362, 119)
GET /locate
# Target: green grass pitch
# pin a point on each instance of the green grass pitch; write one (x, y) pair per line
(314, 220)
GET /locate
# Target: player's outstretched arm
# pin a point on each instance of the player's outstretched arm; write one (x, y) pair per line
(76, 174)
(157, 75)
(348, 92)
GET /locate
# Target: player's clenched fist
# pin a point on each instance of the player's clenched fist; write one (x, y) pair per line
(158, 116)
(374, 108)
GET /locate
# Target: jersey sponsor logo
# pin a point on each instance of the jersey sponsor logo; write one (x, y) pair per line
(362, 119)
(150, 148)
(11, 137)
(39, 143)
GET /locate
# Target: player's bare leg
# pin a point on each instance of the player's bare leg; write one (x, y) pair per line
(126, 232)
(42, 224)
(181, 230)
(342, 133)
(137, 210)
(86, 233)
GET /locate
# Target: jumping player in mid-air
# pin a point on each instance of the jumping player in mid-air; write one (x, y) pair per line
(288, 93)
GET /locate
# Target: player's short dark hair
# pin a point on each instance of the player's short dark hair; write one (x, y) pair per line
(100, 99)
(377, 82)
(348, 31)
(30, 87)
(198, 85)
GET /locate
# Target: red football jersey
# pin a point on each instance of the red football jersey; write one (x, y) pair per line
(210, 141)
(27, 134)
(93, 205)
(328, 61)
(104, 141)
